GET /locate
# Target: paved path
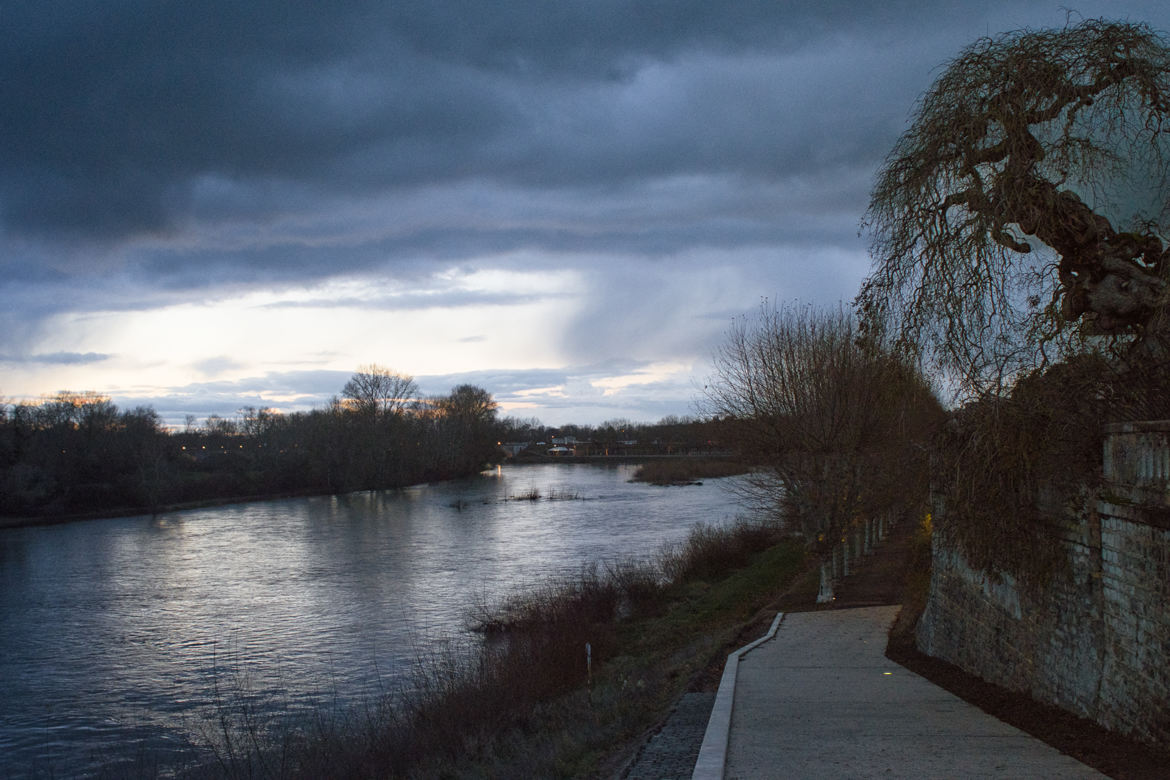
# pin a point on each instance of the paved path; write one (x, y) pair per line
(821, 700)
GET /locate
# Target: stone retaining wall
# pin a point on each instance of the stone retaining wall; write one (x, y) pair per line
(1096, 642)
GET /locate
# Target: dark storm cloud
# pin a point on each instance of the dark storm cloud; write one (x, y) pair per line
(667, 162)
(118, 114)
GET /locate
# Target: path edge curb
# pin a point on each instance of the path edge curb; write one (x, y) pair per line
(713, 754)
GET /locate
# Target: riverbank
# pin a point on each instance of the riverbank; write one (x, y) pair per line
(715, 466)
(25, 522)
(566, 679)
(689, 471)
(530, 457)
(310, 605)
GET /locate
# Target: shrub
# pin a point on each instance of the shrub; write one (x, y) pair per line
(714, 550)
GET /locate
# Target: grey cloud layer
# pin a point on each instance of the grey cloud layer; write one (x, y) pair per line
(157, 152)
(124, 117)
(316, 387)
(56, 358)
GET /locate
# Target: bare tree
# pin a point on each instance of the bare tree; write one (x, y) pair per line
(1023, 215)
(466, 430)
(378, 390)
(470, 404)
(829, 419)
(220, 426)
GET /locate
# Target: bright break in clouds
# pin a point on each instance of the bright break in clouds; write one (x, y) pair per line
(206, 206)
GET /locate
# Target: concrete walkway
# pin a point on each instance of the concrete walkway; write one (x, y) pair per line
(821, 700)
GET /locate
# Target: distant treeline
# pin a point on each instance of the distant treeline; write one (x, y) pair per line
(669, 436)
(78, 453)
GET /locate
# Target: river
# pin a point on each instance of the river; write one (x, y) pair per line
(118, 635)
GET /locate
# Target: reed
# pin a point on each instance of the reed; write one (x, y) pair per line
(553, 680)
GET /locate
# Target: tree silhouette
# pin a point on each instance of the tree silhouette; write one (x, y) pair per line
(1022, 216)
(374, 389)
(836, 427)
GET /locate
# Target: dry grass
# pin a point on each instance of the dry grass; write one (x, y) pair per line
(712, 550)
(554, 494)
(519, 697)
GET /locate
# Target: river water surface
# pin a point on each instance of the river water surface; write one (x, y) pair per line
(117, 636)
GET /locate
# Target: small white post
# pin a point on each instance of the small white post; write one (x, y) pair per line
(825, 594)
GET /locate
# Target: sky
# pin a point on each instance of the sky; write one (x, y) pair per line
(207, 206)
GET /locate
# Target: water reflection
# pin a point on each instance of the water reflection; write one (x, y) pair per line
(115, 634)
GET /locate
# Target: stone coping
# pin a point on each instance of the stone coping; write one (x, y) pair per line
(1139, 426)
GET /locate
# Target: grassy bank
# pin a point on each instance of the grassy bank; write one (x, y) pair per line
(524, 698)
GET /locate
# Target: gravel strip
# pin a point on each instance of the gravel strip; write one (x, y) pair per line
(670, 754)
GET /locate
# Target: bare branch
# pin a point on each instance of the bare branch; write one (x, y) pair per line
(1027, 142)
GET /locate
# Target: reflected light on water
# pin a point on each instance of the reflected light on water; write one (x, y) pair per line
(117, 634)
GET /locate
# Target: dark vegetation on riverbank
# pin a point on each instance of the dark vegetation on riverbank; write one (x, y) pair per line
(77, 454)
(687, 472)
(526, 699)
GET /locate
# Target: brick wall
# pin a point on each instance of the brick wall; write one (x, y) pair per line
(1097, 641)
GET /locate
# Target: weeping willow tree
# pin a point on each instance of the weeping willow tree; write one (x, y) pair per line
(1019, 236)
(1022, 218)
